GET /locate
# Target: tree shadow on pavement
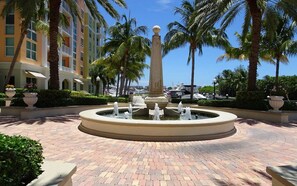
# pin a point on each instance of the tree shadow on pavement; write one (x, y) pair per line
(10, 120)
(253, 122)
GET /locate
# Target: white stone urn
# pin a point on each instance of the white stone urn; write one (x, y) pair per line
(276, 102)
(30, 98)
(10, 92)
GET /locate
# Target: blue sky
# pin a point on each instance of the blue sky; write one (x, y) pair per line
(175, 69)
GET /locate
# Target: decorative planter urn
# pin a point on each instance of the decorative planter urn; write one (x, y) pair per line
(10, 92)
(30, 98)
(276, 102)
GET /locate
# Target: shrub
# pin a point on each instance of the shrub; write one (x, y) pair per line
(21, 160)
(2, 95)
(80, 93)
(53, 98)
(176, 100)
(217, 103)
(247, 96)
(89, 100)
(2, 101)
(117, 99)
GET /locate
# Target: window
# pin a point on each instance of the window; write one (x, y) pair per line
(81, 56)
(31, 50)
(74, 64)
(82, 42)
(9, 46)
(32, 32)
(31, 80)
(81, 71)
(74, 86)
(63, 62)
(9, 19)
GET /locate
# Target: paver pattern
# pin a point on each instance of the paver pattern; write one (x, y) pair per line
(240, 159)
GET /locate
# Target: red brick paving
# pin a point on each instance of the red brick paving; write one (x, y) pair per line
(237, 160)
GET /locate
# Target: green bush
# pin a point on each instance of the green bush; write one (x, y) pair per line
(53, 98)
(250, 96)
(117, 99)
(2, 95)
(79, 93)
(2, 101)
(217, 103)
(20, 160)
(90, 100)
(176, 100)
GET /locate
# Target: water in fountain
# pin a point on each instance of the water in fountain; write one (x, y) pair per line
(156, 112)
(188, 115)
(127, 115)
(115, 109)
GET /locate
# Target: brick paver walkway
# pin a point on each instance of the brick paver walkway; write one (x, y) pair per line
(237, 160)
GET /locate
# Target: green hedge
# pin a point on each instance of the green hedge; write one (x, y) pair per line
(247, 96)
(176, 100)
(252, 105)
(2, 95)
(20, 160)
(117, 99)
(2, 101)
(53, 98)
(89, 100)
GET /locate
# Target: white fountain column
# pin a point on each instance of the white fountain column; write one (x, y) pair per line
(156, 74)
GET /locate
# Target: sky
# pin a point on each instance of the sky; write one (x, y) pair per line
(175, 69)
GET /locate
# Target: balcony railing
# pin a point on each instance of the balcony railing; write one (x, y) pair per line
(67, 69)
(66, 49)
(67, 30)
(66, 6)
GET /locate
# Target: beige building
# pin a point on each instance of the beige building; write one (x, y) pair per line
(80, 47)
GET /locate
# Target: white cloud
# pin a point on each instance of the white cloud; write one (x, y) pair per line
(163, 5)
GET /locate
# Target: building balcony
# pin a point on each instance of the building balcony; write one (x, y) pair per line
(65, 7)
(67, 30)
(66, 50)
(67, 69)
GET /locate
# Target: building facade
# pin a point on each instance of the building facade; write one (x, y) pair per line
(81, 42)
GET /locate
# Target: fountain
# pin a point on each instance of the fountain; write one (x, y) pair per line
(156, 112)
(191, 125)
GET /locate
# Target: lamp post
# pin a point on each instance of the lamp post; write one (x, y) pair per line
(214, 88)
(98, 83)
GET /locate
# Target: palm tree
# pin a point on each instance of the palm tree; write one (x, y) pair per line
(54, 6)
(211, 11)
(30, 11)
(279, 41)
(180, 34)
(125, 41)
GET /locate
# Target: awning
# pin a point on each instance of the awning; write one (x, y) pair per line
(78, 81)
(35, 74)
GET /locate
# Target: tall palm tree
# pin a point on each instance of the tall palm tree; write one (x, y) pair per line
(54, 6)
(181, 34)
(124, 42)
(30, 11)
(279, 41)
(211, 11)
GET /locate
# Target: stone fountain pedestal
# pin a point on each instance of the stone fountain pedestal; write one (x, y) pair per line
(156, 74)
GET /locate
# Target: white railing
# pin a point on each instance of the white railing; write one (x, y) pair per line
(66, 49)
(67, 30)
(67, 69)
(66, 6)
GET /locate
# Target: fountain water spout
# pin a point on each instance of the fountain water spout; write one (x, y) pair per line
(188, 114)
(180, 107)
(115, 109)
(156, 112)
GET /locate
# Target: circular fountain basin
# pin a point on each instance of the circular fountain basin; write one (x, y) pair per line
(162, 130)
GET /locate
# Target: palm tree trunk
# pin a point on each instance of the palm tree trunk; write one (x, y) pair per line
(17, 51)
(118, 81)
(53, 57)
(254, 55)
(277, 73)
(193, 72)
(126, 87)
